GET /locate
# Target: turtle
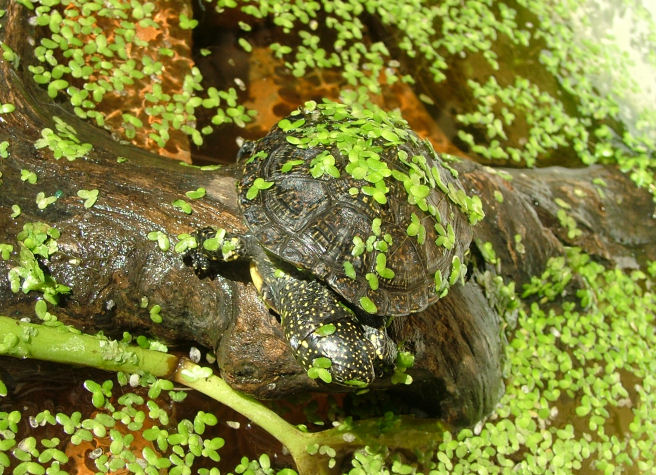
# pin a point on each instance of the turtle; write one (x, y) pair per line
(353, 220)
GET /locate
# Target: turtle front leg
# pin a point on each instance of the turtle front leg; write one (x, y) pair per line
(326, 335)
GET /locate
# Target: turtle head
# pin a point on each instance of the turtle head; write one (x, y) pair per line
(246, 150)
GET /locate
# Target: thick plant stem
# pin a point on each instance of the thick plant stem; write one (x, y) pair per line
(62, 344)
(296, 441)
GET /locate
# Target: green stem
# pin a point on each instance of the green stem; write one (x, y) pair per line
(287, 434)
(399, 432)
(63, 344)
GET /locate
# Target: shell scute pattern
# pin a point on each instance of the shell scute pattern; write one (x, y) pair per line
(311, 222)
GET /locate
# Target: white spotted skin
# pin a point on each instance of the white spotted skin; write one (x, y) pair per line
(307, 305)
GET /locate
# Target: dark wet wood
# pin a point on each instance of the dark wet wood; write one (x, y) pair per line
(106, 258)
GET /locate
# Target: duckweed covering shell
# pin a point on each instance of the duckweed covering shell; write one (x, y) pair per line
(367, 206)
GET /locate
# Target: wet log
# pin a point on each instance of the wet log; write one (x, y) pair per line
(106, 258)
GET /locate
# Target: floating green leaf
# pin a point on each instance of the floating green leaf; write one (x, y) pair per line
(349, 270)
(326, 330)
(155, 314)
(195, 194)
(373, 281)
(289, 164)
(89, 197)
(28, 176)
(187, 23)
(183, 206)
(243, 42)
(185, 242)
(7, 108)
(5, 250)
(43, 201)
(162, 239)
(319, 369)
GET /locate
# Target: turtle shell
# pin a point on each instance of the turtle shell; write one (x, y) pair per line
(361, 202)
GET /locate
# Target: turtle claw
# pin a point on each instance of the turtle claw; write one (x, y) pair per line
(198, 261)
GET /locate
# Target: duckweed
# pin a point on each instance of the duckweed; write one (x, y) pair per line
(63, 142)
(569, 223)
(5, 250)
(404, 361)
(36, 239)
(154, 314)
(584, 348)
(89, 72)
(28, 176)
(89, 196)
(116, 447)
(183, 206)
(195, 194)
(43, 201)
(163, 241)
(319, 370)
(15, 211)
(258, 184)
(450, 31)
